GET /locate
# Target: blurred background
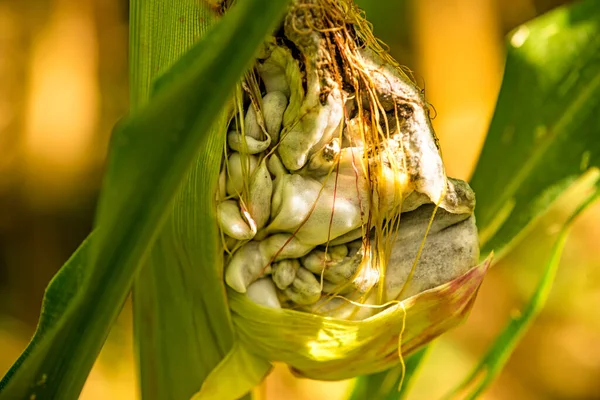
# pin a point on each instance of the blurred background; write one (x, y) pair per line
(63, 85)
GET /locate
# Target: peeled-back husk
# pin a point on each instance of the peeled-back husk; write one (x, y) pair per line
(326, 348)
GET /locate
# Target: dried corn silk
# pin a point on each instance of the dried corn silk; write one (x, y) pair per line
(334, 197)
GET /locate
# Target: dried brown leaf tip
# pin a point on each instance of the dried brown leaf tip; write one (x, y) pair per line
(333, 197)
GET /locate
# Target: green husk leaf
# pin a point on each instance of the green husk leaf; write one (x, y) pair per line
(343, 349)
(150, 156)
(491, 364)
(537, 147)
(239, 372)
(170, 312)
(160, 32)
(181, 320)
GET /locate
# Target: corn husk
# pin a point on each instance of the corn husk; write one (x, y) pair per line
(332, 349)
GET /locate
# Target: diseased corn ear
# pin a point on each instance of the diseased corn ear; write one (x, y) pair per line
(347, 242)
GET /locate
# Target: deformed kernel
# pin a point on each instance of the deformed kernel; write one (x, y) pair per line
(263, 292)
(259, 199)
(274, 105)
(248, 144)
(251, 126)
(232, 222)
(250, 261)
(318, 260)
(305, 289)
(284, 272)
(239, 167)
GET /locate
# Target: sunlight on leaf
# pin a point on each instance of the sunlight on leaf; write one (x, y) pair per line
(537, 147)
(236, 375)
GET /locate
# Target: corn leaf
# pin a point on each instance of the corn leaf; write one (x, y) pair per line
(150, 157)
(64, 286)
(491, 364)
(239, 372)
(179, 339)
(392, 384)
(543, 135)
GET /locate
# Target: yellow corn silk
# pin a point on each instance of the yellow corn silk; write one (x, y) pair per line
(345, 243)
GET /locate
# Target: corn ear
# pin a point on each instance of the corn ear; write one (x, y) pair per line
(362, 250)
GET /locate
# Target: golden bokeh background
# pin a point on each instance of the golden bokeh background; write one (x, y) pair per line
(63, 85)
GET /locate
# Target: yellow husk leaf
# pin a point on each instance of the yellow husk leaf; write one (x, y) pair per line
(332, 349)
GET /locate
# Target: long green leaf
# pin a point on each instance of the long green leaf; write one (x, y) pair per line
(150, 156)
(544, 133)
(64, 286)
(239, 372)
(392, 384)
(499, 352)
(181, 321)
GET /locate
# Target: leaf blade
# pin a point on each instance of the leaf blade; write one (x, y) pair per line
(553, 69)
(169, 300)
(181, 321)
(127, 221)
(392, 384)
